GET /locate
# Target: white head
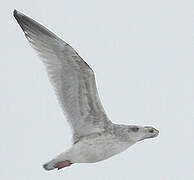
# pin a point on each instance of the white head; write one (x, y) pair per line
(138, 133)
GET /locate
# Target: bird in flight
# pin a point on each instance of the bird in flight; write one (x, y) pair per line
(95, 137)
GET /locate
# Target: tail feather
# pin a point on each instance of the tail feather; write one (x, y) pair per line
(50, 165)
(54, 164)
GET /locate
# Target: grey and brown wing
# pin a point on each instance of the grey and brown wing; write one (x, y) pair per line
(72, 78)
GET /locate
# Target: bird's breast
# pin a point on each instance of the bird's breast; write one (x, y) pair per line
(98, 148)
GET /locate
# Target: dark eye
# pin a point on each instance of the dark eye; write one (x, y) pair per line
(134, 129)
(151, 130)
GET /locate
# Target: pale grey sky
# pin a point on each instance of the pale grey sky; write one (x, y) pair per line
(141, 52)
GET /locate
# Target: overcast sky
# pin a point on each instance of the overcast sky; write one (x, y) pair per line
(141, 52)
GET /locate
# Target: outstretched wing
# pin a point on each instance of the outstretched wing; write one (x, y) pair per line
(72, 78)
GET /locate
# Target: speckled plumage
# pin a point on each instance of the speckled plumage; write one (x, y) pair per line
(95, 137)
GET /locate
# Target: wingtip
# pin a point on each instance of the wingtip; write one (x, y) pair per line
(17, 14)
(28, 24)
(19, 18)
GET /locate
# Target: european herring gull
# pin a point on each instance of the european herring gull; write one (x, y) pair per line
(95, 137)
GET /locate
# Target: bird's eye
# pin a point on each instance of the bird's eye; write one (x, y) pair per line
(151, 130)
(134, 129)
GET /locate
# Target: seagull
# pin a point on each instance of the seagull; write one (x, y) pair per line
(94, 136)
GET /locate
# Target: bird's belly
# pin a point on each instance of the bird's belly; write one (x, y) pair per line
(99, 148)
